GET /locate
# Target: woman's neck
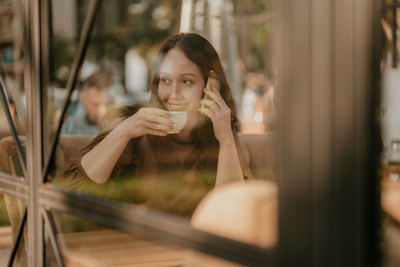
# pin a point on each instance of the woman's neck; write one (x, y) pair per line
(181, 139)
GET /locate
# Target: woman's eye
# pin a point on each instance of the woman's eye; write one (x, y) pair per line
(188, 82)
(166, 81)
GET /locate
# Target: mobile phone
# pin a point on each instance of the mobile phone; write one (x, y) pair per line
(212, 79)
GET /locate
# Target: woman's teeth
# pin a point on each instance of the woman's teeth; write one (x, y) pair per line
(176, 106)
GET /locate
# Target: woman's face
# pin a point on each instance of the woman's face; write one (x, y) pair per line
(181, 83)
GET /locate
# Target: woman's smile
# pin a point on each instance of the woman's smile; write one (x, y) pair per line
(176, 106)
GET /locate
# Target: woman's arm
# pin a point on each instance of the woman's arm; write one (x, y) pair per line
(228, 168)
(99, 162)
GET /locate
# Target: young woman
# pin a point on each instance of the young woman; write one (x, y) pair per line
(206, 151)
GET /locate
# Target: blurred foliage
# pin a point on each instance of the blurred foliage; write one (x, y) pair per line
(4, 221)
(144, 24)
(65, 53)
(168, 192)
(252, 6)
(256, 18)
(62, 55)
(123, 24)
(119, 25)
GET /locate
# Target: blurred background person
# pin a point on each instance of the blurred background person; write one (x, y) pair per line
(251, 112)
(94, 99)
(269, 109)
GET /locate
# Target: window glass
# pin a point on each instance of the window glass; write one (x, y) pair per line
(141, 127)
(12, 108)
(103, 245)
(11, 214)
(13, 101)
(90, 243)
(63, 39)
(21, 256)
(254, 34)
(390, 157)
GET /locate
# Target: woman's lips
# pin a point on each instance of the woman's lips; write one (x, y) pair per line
(176, 106)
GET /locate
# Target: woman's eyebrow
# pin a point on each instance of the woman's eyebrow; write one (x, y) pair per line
(181, 75)
(188, 74)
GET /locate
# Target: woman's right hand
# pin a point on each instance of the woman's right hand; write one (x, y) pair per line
(148, 121)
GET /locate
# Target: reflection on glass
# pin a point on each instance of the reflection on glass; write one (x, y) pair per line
(247, 212)
(10, 161)
(64, 37)
(11, 69)
(95, 98)
(11, 213)
(89, 244)
(390, 168)
(241, 31)
(137, 31)
(6, 238)
(256, 68)
(20, 259)
(85, 241)
(113, 73)
(4, 124)
(50, 250)
(144, 159)
(140, 157)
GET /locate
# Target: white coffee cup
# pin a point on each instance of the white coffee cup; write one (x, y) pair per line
(179, 118)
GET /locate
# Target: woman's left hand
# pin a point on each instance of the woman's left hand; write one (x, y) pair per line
(214, 107)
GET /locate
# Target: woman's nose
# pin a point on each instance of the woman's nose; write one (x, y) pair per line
(176, 90)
